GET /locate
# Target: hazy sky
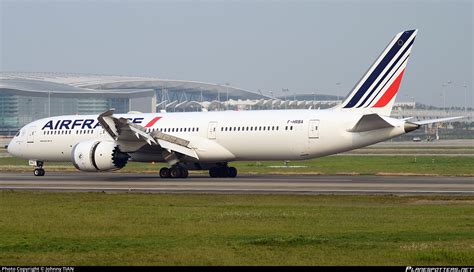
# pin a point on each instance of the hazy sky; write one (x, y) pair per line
(303, 46)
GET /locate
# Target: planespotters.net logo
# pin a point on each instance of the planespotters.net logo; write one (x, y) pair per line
(439, 269)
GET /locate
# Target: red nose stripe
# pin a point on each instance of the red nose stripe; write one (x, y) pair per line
(153, 121)
(390, 93)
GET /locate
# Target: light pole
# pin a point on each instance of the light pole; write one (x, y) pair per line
(443, 94)
(49, 104)
(447, 84)
(337, 89)
(465, 97)
(227, 90)
(285, 91)
(271, 94)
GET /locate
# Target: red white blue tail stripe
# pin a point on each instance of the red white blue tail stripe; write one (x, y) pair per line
(379, 86)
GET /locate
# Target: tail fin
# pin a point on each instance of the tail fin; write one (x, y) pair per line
(376, 91)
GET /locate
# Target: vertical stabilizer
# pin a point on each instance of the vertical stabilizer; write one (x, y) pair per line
(376, 91)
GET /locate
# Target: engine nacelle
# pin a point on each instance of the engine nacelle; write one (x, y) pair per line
(94, 156)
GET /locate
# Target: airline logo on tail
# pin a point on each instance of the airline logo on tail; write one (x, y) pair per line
(380, 84)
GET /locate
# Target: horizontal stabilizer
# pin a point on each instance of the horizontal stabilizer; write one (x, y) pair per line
(370, 122)
(425, 122)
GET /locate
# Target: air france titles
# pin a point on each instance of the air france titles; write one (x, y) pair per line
(79, 123)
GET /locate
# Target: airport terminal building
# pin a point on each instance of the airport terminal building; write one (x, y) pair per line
(25, 97)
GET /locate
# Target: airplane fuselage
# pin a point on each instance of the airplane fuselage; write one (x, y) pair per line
(246, 135)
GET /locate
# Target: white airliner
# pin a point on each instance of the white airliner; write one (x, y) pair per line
(210, 140)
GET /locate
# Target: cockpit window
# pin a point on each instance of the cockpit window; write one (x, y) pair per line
(17, 134)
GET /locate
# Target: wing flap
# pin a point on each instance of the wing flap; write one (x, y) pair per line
(178, 148)
(132, 137)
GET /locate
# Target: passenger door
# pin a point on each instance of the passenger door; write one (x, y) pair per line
(212, 130)
(313, 131)
(30, 136)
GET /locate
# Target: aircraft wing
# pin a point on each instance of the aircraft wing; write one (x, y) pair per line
(132, 137)
(425, 122)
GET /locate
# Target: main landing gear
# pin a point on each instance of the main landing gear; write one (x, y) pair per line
(220, 171)
(223, 172)
(39, 171)
(174, 172)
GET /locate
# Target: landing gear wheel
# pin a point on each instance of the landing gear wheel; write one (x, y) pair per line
(214, 172)
(223, 172)
(184, 172)
(176, 172)
(165, 172)
(39, 172)
(231, 172)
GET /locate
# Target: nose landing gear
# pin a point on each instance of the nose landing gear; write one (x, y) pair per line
(39, 171)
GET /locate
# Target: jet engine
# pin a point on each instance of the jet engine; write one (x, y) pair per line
(94, 156)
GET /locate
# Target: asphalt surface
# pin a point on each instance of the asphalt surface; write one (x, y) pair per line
(267, 184)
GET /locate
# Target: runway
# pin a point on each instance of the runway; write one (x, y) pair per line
(266, 184)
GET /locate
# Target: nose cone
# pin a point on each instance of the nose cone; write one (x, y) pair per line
(13, 148)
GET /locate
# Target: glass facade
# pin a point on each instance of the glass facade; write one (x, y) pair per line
(18, 110)
(8, 111)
